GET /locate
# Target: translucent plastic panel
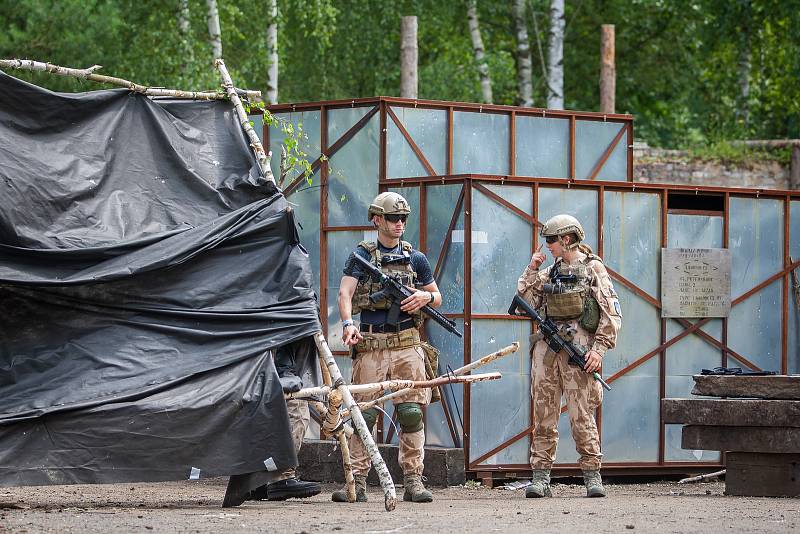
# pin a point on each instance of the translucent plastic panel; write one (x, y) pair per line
(353, 176)
(694, 231)
(754, 329)
(480, 143)
(340, 120)
(500, 410)
(501, 248)
(632, 237)
(411, 194)
(428, 129)
(631, 417)
(580, 203)
(794, 316)
(794, 230)
(641, 327)
(674, 453)
(756, 241)
(684, 359)
(340, 245)
(689, 356)
(308, 121)
(592, 138)
(451, 357)
(519, 196)
(542, 147)
(306, 213)
(441, 203)
(258, 125)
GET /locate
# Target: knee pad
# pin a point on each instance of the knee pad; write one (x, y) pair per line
(371, 417)
(409, 415)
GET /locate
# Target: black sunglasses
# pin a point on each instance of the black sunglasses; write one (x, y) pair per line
(551, 239)
(394, 217)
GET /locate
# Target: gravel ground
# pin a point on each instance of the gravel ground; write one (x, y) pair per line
(195, 507)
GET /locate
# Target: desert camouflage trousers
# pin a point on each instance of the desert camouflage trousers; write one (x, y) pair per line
(552, 378)
(391, 364)
(299, 417)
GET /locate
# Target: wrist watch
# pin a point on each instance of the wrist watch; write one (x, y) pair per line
(346, 323)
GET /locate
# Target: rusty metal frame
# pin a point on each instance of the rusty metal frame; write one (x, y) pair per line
(383, 106)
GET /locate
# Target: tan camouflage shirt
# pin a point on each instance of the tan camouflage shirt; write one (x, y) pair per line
(530, 286)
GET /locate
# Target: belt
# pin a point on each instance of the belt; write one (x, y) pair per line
(387, 328)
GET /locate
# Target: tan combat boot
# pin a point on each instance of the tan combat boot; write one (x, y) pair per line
(414, 489)
(361, 491)
(540, 484)
(594, 484)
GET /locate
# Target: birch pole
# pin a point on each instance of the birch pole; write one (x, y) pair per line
(555, 56)
(392, 385)
(214, 32)
(608, 70)
(479, 51)
(89, 74)
(184, 30)
(272, 52)
(255, 142)
(389, 495)
(505, 351)
(524, 70)
(409, 55)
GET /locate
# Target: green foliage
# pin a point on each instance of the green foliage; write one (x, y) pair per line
(730, 153)
(679, 62)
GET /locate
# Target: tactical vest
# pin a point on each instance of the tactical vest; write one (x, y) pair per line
(367, 287)
(569, 295)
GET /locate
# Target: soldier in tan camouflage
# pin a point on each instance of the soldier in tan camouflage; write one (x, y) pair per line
(577, 294)
(386, 350)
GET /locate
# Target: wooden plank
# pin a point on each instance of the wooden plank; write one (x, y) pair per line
(782, 440)
(763, 475)
(731, 412)
(762, 387)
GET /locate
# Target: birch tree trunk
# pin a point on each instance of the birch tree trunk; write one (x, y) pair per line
(272, 52)
(408, 57)
(214, 32)
(555, 56)
(744, 67)
(524, 84)
(187, 54)
(480, 54)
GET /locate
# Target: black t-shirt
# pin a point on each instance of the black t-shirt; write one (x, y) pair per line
(419, 263)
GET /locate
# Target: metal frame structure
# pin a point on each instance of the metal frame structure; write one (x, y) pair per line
(383, 107)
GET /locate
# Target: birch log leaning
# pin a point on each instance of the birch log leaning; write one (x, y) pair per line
(255, 142)
(89, 74)
(389, 494)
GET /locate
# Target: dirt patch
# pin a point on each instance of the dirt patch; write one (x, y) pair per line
(195, 507)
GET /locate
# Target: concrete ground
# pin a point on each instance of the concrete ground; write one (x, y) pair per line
(195, 507)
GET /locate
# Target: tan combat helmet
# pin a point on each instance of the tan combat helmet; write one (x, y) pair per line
(388, 203)
(562, 225)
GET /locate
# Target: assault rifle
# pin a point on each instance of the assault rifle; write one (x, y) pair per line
(395, 292)
(550, 332)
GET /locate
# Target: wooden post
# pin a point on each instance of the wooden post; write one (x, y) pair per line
(608, 71)
(408, 57)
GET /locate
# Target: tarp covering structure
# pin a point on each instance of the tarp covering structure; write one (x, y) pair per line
(147, 274)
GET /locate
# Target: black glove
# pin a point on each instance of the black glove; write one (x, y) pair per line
(290, 382)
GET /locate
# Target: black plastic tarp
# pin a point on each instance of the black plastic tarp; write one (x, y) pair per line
(147, 274)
